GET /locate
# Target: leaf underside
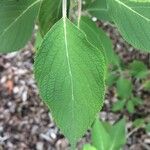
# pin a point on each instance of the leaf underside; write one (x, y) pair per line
(70, 75)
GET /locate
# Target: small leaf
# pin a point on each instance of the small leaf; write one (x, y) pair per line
(99, 9)
(130, 106)
(124, 87)
(147, 85)
(50, 13)
(16, 23)
(148, 127)
(70, 73)
(88, 147)
(133, 21)
(118, 135)
(137, 101)
(100, 136)
(138, 123)
(138, 69)
(111, 78)
(119, 105)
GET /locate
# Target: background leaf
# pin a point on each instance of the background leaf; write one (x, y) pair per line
(119, 105)
(99, 9)
(124, 87)
(138, 69)
(118, 134)
(16, 23)
(133, 22)
(130, 106)
(101, 40)
(100, 136)
(70, 73)
(50, 13)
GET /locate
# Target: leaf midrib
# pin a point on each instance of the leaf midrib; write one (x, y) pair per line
(69, 65)
(14, 21)
(135, 12)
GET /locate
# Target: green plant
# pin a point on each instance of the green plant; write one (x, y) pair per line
(71, 63)
(108, 137)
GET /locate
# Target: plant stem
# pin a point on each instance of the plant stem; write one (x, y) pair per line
(79, 11)
(64, 8)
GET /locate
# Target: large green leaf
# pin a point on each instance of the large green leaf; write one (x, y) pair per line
(100, 137)
(50, 13)
(99, 9)
(70, 75)
(133, 21)
(16, 23)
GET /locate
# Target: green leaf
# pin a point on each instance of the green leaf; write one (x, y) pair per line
(107, 126)
(137, 101)
(99, 9)
(98, 38)
(124, 88)
(38, 40)
(119, 105)
(50, 13)
(70, 73)
(118, 135)
(147, 85)
(133, 21)
(100, 136)
(88, 147)
(138, 123)
(16, 23)
(138, 69)
(111, 78)
(148, 127)
(130, 106)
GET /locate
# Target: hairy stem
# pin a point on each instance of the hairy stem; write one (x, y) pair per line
(79, 11)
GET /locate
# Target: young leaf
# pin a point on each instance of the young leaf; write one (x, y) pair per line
(111, 78)
(133, 21)
(137, 101)
(100, 136)
(124, 88)
(130, 106)
(147, 85)
(50, 13)
(16, 23)
(88, 147)
(138, 123)
(148, 127)
(119, 105)
(118, 135)
(99, 9)
(70, 73)
(138, 69)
